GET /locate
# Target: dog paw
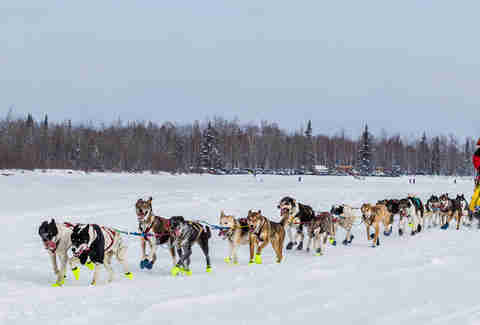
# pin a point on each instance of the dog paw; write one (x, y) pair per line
(90, 265)
(76, 272)
(148, 265)
(175, 271)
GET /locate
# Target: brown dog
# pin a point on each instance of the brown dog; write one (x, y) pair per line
(374, 215)
(156, 232)
(236, 231)
(262, 232)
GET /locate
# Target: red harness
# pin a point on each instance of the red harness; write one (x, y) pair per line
(111, 234)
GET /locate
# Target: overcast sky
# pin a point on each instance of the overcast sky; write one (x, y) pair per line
(403, 66)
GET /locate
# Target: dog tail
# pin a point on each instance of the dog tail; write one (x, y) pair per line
(209, 233)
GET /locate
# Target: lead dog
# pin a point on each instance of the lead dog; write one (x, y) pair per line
(303, 213)
(373, 216)
(236, 231)
(56, 240)
(99, 244)
(185, 234)
(344, 217)
(155, 232)
(318, 230)
(264, 231)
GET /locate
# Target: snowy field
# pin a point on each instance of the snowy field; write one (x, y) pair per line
(431, 278)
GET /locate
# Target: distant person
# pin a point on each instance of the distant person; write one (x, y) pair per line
(475, 203)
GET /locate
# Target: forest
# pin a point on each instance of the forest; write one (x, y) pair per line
(222, 145)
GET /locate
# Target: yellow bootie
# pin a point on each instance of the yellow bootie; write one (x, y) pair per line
(227, 259)
(129, 275)
(59, 284)
(258, 259)
(76, 272)
(175, 270)
(209, 269)
(90, 265)
(187, 272)
(251, 262)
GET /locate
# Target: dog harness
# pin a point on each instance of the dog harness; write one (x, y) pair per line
(111, 238)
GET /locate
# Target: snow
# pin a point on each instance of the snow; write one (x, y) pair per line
(426, 279)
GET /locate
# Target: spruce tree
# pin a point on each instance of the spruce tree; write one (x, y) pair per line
(210, 156)
(436, 156)
(309, 159)
(364, 163)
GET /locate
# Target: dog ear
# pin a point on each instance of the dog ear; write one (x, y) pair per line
(52, 221)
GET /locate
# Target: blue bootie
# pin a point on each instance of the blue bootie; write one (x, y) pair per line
(445, 226)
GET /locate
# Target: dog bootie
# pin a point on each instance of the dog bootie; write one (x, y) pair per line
(90, 265)
(419, 228)
(209, 269)
(76, 272)
(59, 284)
(251, 262)
(400, 232)
(148, 265)
(142, 263)
(300, 246)
(290, 245)
(333, 242)
(351, 239)
(388, 233)
(345, 242)
(372, 236)
(227, 259)
(129, 275)
(445, 226)
(319, 252)
(258, 259)
(175, 270)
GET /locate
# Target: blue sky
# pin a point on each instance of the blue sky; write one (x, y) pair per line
(403, 66)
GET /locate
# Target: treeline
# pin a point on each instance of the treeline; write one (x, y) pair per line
(137, 146)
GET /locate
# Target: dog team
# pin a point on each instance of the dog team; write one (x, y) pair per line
(93, 245)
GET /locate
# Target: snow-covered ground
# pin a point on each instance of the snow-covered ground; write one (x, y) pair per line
(430, 278)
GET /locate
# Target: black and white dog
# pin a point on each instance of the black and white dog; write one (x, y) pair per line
(467, 215)
(432, 213)
(99, 244)
(300, 214)
(57, 242)
(185, 234)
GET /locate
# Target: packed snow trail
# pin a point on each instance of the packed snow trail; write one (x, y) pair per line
(430, 278)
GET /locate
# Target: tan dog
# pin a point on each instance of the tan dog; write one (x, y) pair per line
(156, 230)
(262, 232)
(374, 215)
(236, 231)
